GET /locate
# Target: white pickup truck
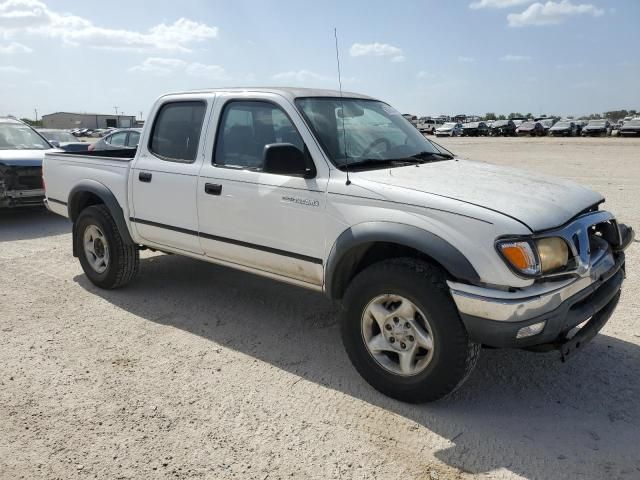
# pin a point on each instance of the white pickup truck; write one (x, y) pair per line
(430, 256)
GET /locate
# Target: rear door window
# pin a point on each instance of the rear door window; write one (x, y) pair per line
(176, 131)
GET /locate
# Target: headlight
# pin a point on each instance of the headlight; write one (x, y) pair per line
(532, 258)
(553, 253)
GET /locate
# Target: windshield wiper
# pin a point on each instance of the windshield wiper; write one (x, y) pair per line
(376, 162)
(422, 155)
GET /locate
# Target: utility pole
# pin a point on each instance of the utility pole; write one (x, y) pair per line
(140, 115)
(116, 109)
(36, 111)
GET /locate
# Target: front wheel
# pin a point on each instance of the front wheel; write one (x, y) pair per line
(106, 258)
(403, 333)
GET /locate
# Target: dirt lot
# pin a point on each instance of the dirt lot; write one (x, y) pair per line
(197, 371)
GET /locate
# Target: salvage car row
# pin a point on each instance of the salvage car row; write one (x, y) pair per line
(536, 128)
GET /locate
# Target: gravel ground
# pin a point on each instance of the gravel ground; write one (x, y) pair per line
(197, 371)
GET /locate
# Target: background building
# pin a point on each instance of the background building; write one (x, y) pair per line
(87, 120)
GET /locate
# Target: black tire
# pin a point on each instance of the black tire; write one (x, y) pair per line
(124, 257)
(423, 284)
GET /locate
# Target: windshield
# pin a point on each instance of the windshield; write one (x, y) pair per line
(633, 123)
(449, 125)
(58, 135)
(597, 123)
(14, 136)
(562, 125)
(373, 131)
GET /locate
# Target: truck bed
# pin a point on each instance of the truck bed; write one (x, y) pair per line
(64, 171)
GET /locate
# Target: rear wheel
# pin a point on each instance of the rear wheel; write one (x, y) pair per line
(403, 333)
(107, 260)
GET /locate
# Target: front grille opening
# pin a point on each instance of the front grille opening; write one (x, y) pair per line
(608, 231)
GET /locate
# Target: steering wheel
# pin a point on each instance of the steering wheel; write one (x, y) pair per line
(375, 143)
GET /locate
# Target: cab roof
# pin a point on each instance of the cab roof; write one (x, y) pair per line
(289, 92)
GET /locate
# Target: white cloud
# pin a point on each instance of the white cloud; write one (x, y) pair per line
(13, 48)
(12, 69)
(165, 66)
(302, 76)
(497, 3)
(158, 66)
(210, 72)
(424, 74)
(35, 17)
(515, 58)
(551, 13)
(377, 50)
(466, 59)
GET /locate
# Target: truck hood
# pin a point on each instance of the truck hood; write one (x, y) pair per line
(538, 201)
(22, 158)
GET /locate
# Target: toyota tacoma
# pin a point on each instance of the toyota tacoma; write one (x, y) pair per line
(430, 256)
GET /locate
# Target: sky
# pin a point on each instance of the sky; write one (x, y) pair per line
(425, 57)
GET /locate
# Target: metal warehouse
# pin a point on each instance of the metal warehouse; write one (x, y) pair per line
(87, 120)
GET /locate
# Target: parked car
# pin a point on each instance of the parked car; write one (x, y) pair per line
(118, 139)
(428, 125)
(475, 129)
(564, 128)
(630, 128)
(81, 132)
(413, 119)
(21, 152)
(597, 128)
(449, 129)
(547, 123)
(580, 124)
(503, 128)
(532, 129)
(431, 256)
(64, 140)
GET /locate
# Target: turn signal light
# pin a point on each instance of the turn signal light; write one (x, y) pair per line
(520, 255)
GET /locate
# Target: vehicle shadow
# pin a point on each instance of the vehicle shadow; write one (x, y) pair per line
(31, 223)
(522, 412)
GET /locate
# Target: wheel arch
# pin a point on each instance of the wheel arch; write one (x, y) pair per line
(366, 243)
(91, 192)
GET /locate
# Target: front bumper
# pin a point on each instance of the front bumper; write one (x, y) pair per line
(495, 317)
(22, 198)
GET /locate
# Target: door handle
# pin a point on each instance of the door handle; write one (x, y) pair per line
(144, 177)
(212, 188)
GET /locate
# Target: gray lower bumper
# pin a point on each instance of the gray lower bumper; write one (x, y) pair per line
(497, 321)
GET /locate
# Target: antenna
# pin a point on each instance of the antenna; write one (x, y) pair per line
(344, 133)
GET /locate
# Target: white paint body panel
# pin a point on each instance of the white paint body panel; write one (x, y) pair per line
(468, 204)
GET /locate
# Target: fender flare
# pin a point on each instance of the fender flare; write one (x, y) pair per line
(341, 256)
(108, 199)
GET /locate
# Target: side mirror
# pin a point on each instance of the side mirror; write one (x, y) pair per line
(287, 159)
(55, 143)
